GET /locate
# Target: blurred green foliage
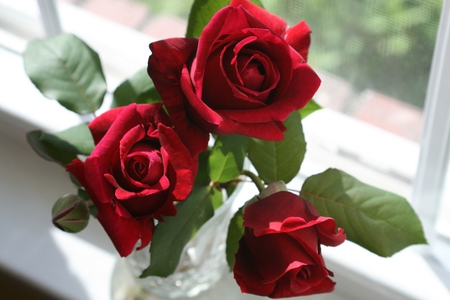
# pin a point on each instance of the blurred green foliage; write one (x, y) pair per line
(172, 7)
(378, 44)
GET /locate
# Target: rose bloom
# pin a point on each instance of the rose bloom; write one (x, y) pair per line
(244, 75)
(138, 168)
(279, 253)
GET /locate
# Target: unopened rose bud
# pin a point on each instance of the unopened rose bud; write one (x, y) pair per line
(70, 213)
(273, 188)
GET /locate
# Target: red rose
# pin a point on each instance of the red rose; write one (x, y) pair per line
(138, 168)
(245, 74)
(279, 253)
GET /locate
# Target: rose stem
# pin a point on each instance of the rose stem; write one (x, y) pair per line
(256, 180)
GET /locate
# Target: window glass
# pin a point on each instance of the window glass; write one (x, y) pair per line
(375, 56)
(158, 19)
(19, 20)
(29, 7)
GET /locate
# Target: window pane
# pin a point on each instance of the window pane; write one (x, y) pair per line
(158, 19)
(375, 56)
(19, 22)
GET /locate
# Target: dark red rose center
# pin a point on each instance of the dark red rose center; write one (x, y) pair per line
(144, 164)
(304, 273)
(252, 74)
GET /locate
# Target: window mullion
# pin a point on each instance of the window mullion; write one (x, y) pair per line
(435, 146)
(50, 17)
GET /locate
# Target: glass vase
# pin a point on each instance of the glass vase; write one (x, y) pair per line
(202, 264)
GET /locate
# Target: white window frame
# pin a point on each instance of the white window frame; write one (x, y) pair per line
(431, 175)
(50, 17)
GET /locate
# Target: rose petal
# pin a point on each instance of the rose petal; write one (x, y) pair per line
(299, 38)
(325, 286)
(123, 194)
(123, 232)
(274, 22)
(297, 97)
(100, 125)
(218, 26)
(288, 253)
(246, 274)
(144, 165)
(180, 161)
(131, 137)
(327, 232)
(165, 70)
(270, 213)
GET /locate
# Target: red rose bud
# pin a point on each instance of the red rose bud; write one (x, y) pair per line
(70, 213)
(279, 254)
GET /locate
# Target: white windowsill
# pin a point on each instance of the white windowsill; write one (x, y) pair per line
(71, 262)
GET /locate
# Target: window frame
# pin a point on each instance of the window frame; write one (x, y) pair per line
(432, 170)
(50, 17)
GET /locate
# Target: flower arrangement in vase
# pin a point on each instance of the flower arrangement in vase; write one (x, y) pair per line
(162, 160)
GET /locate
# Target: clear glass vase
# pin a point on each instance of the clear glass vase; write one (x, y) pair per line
(202, 264)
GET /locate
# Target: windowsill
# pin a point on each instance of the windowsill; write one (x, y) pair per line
(72, 262)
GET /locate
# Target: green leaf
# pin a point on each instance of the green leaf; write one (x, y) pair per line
(48, 151)
(77, 139)
(257, 2)
(137, 89)
(62, 147)
(309, 108)
(83, 194)
(202, 178)
(64, 68)
(227, 157)
(235, 232)
(171, 236)
(202, 12)
(281, 160)
(377, 220)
